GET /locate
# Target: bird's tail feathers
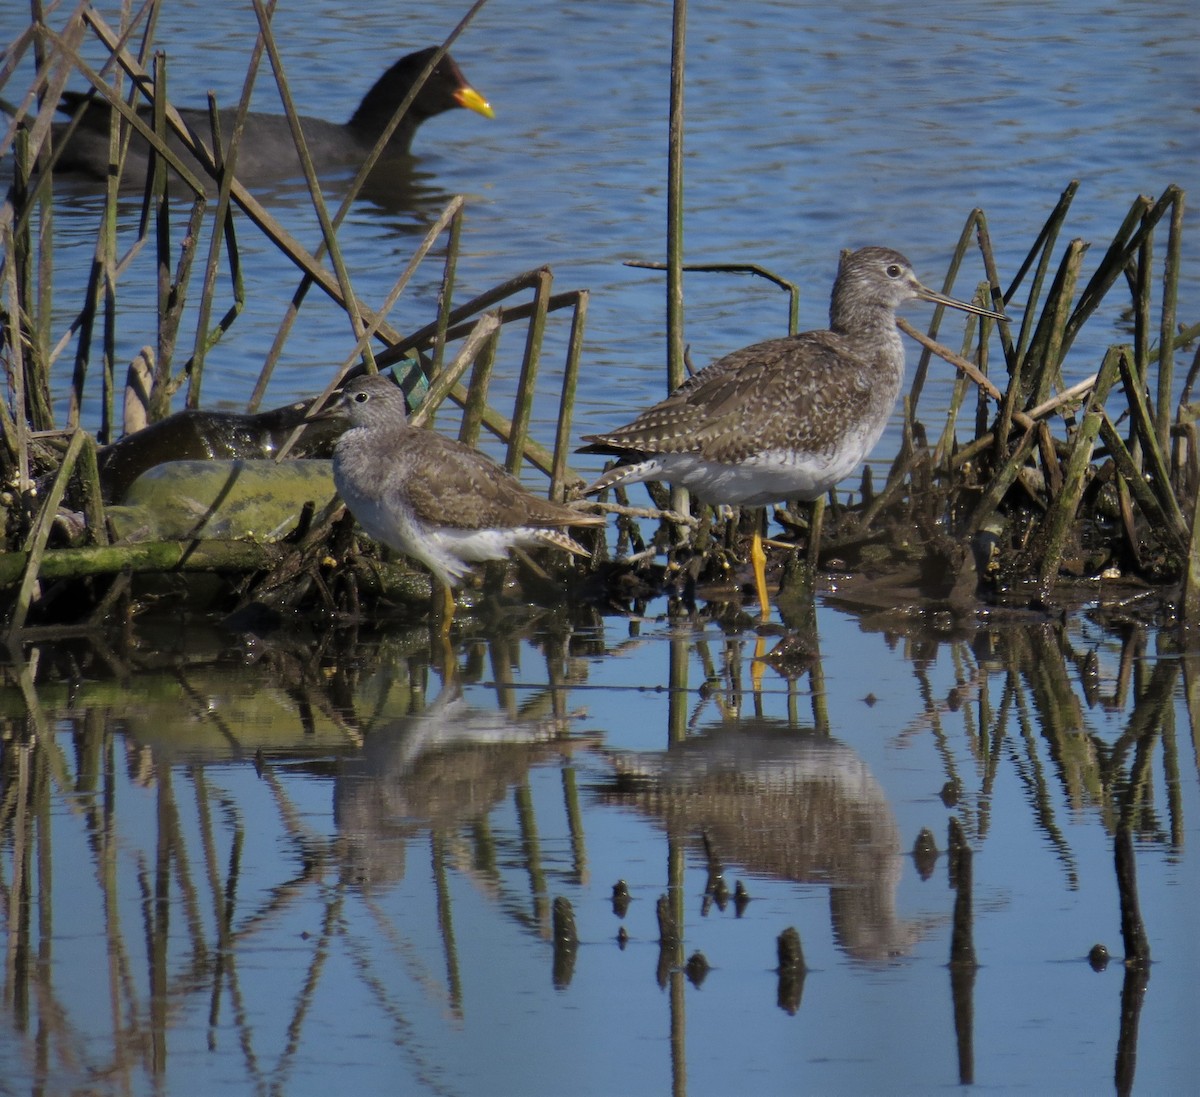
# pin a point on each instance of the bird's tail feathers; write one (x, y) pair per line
(622, 474)
(563, 541)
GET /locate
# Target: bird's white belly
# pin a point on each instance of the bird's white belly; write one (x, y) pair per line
(773, 476)
(477, 545)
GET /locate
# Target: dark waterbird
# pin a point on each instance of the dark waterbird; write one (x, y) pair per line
(267, 150)
(433, 498)
(785, 419)
(198, 435)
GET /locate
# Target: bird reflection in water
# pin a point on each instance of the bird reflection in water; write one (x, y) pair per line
(785, 803)
(435, 771)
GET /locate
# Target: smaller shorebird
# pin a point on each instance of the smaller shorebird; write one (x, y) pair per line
(785, 419)
(433, 498)
(267, 150)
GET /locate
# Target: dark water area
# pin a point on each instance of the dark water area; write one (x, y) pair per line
(248, 864)
(315, 860)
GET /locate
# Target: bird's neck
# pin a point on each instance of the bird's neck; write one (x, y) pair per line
(870, 334)
(859, 320)
(379, 105)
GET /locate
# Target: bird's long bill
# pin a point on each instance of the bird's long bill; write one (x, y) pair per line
(927, 294)
(472, 100)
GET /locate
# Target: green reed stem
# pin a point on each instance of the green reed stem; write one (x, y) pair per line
(1043, 249)
(995, 296)
(446, 290)
(88, 472)
(1065, 505)
(1003, 480)
(328, 230)
(441, 387)
(790, 288)
(16, 427)
(945, 444)
(1167, 320)
(223, 232)
(311, 274)
(527, 383)
(1136, 483)
(675, 211)
(956, 258)
(1144, 430)
(1047, 348)
(566, 405)
(35, 546)
(477, 390)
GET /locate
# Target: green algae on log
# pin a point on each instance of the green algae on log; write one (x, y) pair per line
(250, 500)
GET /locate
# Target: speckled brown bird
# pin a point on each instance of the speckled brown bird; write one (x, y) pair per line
(785, 419)
(433, 498)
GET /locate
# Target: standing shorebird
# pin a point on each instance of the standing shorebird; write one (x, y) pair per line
(785, 419)
(433, 498)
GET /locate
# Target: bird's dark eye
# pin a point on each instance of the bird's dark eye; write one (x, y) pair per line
(894, 270)
(361, 397)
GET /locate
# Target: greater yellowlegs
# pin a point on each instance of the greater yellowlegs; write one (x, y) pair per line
(433, 498)
(785, 419)
(267, 149)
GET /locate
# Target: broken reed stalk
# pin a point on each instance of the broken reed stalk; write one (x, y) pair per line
(792, 290)
(172, 288)
(33, 262)
(450, 217)
(676, 336)
(675, 210)
(376, 152)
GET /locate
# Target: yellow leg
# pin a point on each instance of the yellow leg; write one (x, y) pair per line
(449, 663)
(758, 559)
(758, 666)
(441, 635)
(447, 610)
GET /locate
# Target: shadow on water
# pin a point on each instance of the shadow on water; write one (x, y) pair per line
(238, 843)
